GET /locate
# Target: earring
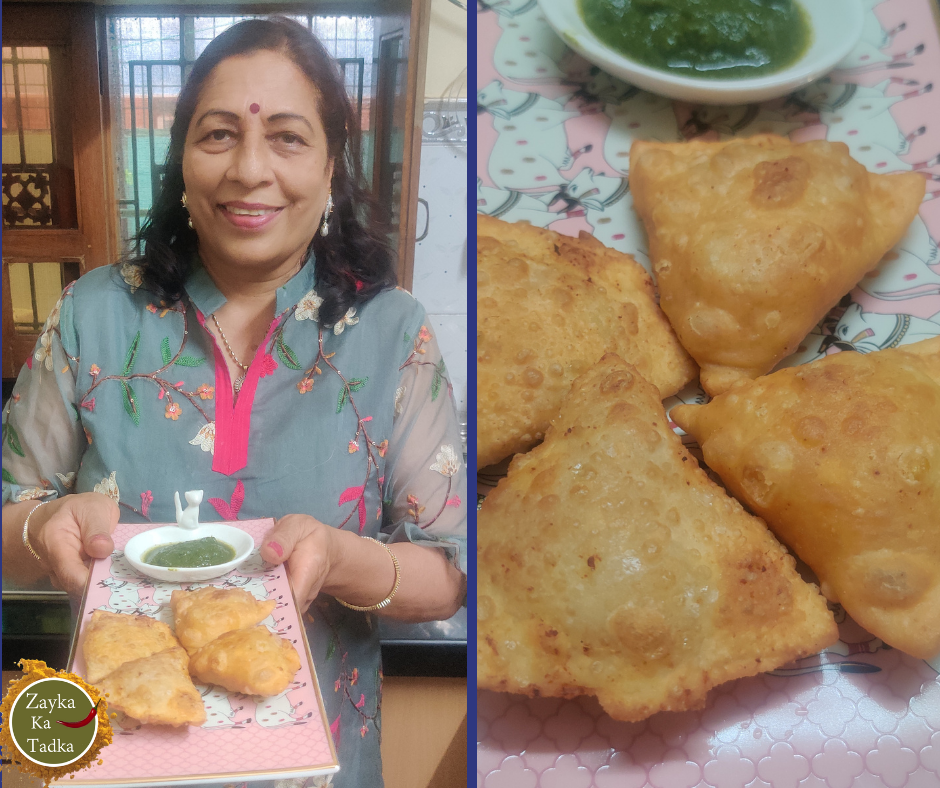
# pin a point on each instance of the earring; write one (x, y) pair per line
(183, 202)
(325, 225)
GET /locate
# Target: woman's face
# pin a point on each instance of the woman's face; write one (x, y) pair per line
(255, 165)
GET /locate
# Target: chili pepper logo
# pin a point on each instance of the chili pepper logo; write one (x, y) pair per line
(84, 722)
(37, 731)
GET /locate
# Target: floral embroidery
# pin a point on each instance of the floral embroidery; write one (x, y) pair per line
(383, 448)
(108, 486)
(305, 385)
(165, 387)
(268, 365)
(348, 679)
(229, 509)
(205, 391)
(67, 479)
(353, 447)
(349, 319)
(455, 502)
(44, 351)
(33, 493)
(399, 394)
(152, 308)
(205, 438)
(424, 335)
(132, 275)
(446, 463)
(416, 509)
(309, 307)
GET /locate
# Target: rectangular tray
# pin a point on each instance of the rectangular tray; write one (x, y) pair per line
(244, 737)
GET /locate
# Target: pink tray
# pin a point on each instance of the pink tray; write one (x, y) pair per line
(245, 737)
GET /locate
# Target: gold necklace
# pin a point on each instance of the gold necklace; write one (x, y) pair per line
(241, 378)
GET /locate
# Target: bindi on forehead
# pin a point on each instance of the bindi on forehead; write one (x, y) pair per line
(254, 109)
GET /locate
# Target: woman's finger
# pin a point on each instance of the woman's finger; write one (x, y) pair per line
(97, 517)
(80, 527)
(279, 542)
(304, 543)
(62, 553)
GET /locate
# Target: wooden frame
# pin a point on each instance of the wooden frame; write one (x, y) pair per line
(93, 242)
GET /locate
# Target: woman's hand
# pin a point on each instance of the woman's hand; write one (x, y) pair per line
(359, 571)
(309, 547)
(68, 531)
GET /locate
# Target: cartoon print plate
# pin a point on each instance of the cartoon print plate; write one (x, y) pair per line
(554, 135)
(245, 737)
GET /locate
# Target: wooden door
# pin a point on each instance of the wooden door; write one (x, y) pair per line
(401, 54)
(57, 218)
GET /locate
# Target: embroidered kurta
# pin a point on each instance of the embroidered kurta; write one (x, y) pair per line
(353, 424)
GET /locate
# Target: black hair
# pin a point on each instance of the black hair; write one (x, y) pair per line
(353, 261)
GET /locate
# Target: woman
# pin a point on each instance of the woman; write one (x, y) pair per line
(257, 350)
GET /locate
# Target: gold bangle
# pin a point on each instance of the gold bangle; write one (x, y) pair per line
(26, 543)
(387, 601)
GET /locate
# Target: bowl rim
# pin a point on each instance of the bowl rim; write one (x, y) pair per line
(801, 72)
(179, 572)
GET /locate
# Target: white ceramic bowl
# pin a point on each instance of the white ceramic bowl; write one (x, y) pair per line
(137, 546)
(836, 27)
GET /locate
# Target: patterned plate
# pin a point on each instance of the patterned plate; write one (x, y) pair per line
(244, 737)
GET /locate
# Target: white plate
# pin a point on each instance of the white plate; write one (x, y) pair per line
(836, 27)
(138, 546)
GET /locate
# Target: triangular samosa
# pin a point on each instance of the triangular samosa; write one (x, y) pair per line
(841, 457)
(549, 306)
(202, 615)
(156, 690)
(609, 564)
(111, 639)
(754, 240)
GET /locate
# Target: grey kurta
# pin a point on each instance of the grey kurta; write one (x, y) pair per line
(353, 424)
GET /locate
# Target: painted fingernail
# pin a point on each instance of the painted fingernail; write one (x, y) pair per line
(276, 548)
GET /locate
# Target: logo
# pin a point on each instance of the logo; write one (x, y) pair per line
(56, 722)
(53, 722)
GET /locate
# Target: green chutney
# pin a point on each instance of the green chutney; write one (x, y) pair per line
(718, 39)
(189, 555)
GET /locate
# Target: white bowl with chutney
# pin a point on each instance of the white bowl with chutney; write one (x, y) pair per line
(139, 548)
(834, 28)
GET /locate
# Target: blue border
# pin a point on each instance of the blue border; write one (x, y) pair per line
(471, 398)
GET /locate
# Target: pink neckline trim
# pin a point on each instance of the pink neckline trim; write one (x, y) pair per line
(233, 418)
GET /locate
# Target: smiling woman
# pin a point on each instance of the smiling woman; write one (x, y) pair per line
(255, 347)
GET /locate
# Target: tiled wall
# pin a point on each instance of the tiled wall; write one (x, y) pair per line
(440, 267)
